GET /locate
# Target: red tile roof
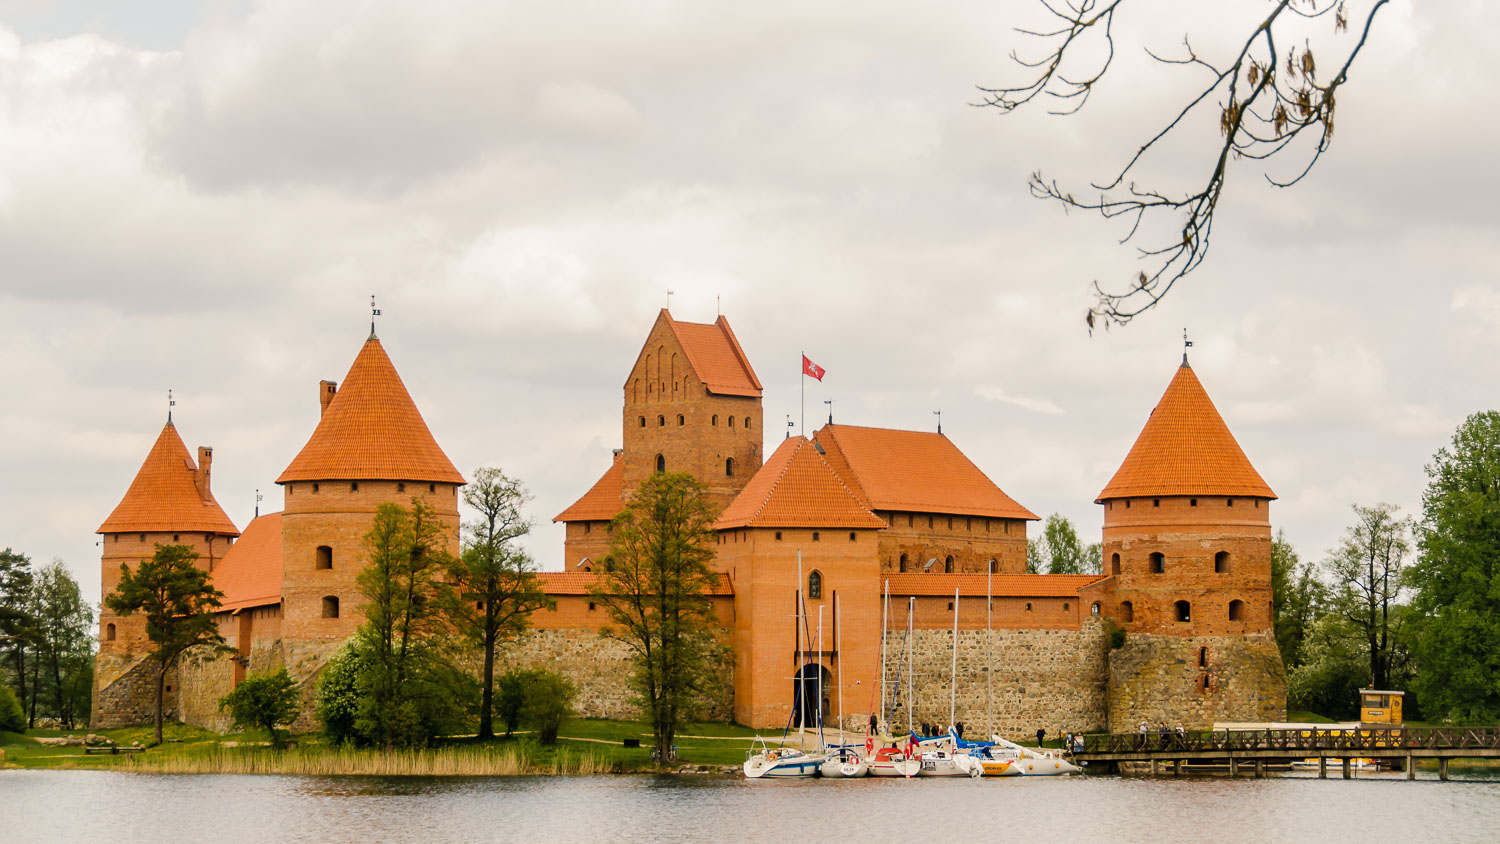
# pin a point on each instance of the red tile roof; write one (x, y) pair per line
(250, 574)
(1001, 585)
(580, 582)
(371, 430)
(1185, 449)
(716, 356)
(164, 495)
(796, 488)
(602, 502)
(913, 471)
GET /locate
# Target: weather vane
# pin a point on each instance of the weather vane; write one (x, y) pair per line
(939, 414)
(1186, 344)
(171, 403)
(669, 299)
(829, 402)
(257, 504)
(374, 312)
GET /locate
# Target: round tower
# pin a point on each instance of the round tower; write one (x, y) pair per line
(169, 503)
(1187, 525)
(371, 447)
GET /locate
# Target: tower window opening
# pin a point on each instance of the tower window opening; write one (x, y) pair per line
(315, 486)
(1203, 657)
(929, 523)
(1127, 504)
(1221, 562)
(948, 565)
(354, 486)
(851, 536)
(731, 421)
(1114, 564)
(1028, 606)
(323, 557)
(714, 420)
(661, 463)
(950, 605)
(1158, 563)
(815, 585)
(661, 421)
(176, 538)
(143, 537)
(1229, 502)
(643, 421)
(1127, 611)
(903, 564)
(432, 488)
(1184, 611)
(778, 536)
(681, 420)
(1156, 502)
(1094, 610)
(1192, 502)
(401, 487)
(330, 606)
(994, 566)
(729, 468)
(747, 423)
(1236, 610)
(109, 633)
(815, 536)
(1257, 503)
(1065, 606)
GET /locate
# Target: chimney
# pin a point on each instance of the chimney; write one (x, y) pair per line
(201, 477)
(326, 389)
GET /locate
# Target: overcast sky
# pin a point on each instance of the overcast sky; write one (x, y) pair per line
(203, 197)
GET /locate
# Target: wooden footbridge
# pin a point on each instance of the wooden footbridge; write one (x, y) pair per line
(1255, 749)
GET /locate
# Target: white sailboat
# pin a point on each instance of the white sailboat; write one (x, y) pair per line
(780, 762)
(843, 761)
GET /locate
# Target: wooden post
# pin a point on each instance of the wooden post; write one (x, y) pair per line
(1153, 766)
(1233, 767)
(1260, 769)
(1176, 767)
(1411, 767)
(1346, 767)
(1443, 769)
(1322, 767)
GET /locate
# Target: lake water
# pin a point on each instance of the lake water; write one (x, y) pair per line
(111, 808)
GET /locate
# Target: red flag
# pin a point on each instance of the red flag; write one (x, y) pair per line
(811, 369)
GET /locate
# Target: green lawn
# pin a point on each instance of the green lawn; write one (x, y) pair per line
(1300, 717)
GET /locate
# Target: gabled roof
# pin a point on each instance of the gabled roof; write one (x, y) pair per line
(371, 430)
(582, 582)
(602, 502)
(1000, 585)
(164, 495)
(796, 488)
(913, 471)
(715, 356)
(1185, 449)
(250, 574)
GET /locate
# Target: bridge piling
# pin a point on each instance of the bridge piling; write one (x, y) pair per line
(1443, 768)
(1260, 769)
(1322, 767)
(1411, 767)
(1346, 768)
(1233, 767)
(1176, 767)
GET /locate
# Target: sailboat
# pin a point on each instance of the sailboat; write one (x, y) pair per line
(785, 762)
(844, 761)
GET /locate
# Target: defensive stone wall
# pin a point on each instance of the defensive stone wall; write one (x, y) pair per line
(1036, 678)
(1195, 681)
(125, 692)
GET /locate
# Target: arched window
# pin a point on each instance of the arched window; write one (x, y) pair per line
(815, 585)
(643, 421)
(323, 558)
(661, 463)
(1114, 564)
(903, 564)
(994, 566)
(661, 421)
(731, 421)
(948, 565)
(1221, 562)
(714, 421)
(1094, 610)
(729, 468)
(747, 423)
(1158, 563)
(681, 420)
(1236, 610)
(109, 633)
(330, 606)
(1203, 657)
(1028, 606)
(1184, 611)
(1127, 611)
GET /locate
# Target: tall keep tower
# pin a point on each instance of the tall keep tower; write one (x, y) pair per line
(1187, 551)
(371, 447)
(168, 503)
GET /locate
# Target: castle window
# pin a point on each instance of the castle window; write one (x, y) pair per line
(354, 486)
(1156, 502)
(1094, 610)
(661, 421)
(815, 585)
(315, 486)
(948, 565)
(950, 605)
(929, 523)
(109, 633)
(1127, 611)
(587, 528)
(1127, 504)
(1192, 502)
(994, 565)
(1221, 562)
(323, 557)
(815, 536)
(591, 606)
(1203, 657)
(747, 423)
(969, 525)
(778, 536)
(643, 421)
(117, 537)
(851, 536)
(714, 420)
(1257, 503)
(1065, 606)
(1158, 563)
(1028, 606)
(661, 463)
(143, 537)
(1114, 564)
(401, 486)
(1229, 502)
(175, 538)
(903, 564)
(330, 606)
(950, 523)
(290, 488)
(1236, 610)
(729, 468)
(731, 421)
(681, 420)
(1184, 611)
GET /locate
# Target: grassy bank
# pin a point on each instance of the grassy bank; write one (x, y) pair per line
(518, 758)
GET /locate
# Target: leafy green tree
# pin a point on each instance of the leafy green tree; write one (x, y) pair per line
(18, 621)
(511, 698)
(178, 601)
(656, 587)
(492, 588)
(1366, 574)
(1335, 667)
(410, 689)
(1065, 554)
(338, 695)
(1296, 592)
(548, 702)
(1036, 556)
(12, 718)
(264, 701)
(64, 650)
(1456, 580)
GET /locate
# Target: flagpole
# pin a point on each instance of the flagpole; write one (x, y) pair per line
(802, 376)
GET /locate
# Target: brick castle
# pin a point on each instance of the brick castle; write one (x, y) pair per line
(856, 518)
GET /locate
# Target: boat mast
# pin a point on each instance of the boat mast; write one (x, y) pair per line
(838, 636)
(989, 658)
(953, 683)
(819, 700)
(800, 690)
(885, 626)
(911, 662)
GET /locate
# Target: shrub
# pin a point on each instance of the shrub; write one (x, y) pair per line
(264, 701)
(12, 717)
(1116, 637)
(338, 696)
(510, 695)
(549, 701)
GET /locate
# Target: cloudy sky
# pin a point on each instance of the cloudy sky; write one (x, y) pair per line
(204, 196)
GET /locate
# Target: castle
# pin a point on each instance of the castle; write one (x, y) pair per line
(855, 519)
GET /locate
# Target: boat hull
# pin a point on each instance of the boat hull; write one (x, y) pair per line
(799, 767)
(895, 768)
(840, 769)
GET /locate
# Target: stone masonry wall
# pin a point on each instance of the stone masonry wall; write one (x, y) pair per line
(1041, 678)
(1195, 681)
(125, 692)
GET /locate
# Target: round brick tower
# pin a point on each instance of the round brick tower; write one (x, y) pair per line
(371, 447)
(1187, 527)
(168, 503)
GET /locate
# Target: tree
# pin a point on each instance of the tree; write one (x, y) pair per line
(1295, 592)
(492, 589)
(1456, 580)
(1334, 668)
(1264, 94)
(410, 689)
(64, 642)
(1366, 574)
(656, 586)
(338, 695)
(1036, 556)
(512, 698)
(18, 620)
(1064, 553)
(12, 718)
(178, 602)
(548, 702)
(264, 701)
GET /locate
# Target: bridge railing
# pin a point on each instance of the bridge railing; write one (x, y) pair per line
(1368, 740)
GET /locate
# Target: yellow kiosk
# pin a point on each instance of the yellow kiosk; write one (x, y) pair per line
(1380, 707)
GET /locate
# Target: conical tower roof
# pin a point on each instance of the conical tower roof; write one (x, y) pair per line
(164, 495)
(1185, 449)
(371, 431)
(796, 488)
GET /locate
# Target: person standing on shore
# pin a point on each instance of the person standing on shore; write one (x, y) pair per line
(1041, 733)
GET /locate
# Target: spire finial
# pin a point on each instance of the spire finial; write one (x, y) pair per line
(669, 299)
(171, 403)
(257, 504)
(374, 312)
(829, 402)
(1186, 344)
(789, 426)
(939, 414)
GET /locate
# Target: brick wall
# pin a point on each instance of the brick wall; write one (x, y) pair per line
(972, 541)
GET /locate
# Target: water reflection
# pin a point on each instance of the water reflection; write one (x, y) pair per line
(114, 807)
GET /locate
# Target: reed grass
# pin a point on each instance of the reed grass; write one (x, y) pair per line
(516, 760)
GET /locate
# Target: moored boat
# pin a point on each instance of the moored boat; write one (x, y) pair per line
(892, 762)
(781, 763)
(844, 762)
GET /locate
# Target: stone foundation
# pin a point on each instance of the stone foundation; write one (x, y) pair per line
(1195, 681)
(125, 692)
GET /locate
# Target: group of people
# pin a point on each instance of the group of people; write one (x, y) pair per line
(1072, 742)
(1162, 732)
